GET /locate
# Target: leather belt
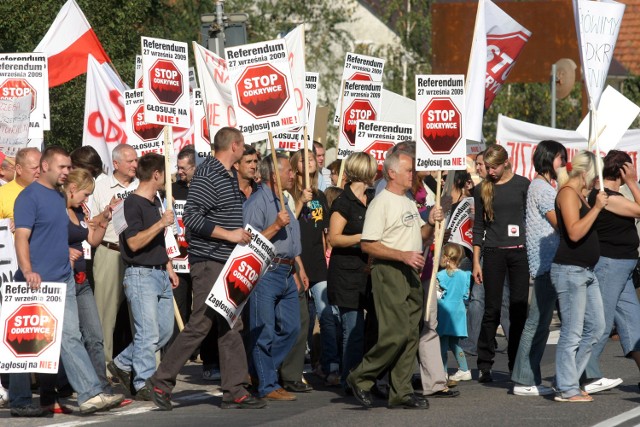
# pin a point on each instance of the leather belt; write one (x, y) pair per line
(162, 267)
(284, 261)
(111, 246)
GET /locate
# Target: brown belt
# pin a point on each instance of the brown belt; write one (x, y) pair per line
(284, 261)
(111, 246)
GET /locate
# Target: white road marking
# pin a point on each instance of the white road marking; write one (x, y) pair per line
(619, 419)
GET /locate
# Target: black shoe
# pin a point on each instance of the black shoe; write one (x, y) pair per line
(447, 392)
(122, 375)
(380, 392)
(485, 376)
(245, 402)
(30, 411)
(296, 386)
(144, 394)
(161, 398)
(414, 402)
(363, 396)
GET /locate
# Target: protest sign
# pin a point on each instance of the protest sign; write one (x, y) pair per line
(440, 122)
(8, 260)
(293, 139)
(295, 47)
(142, 136)
(361, 100)
(475, 147)
(240, 275)
(193, 82)
(201, 139)
(181, 262)
(260, 79)
(461, 224)
(376, 137)
(615, 114)
(32, 327)
(14, 124)
(23, 74)
(165, 81)
(137, 84)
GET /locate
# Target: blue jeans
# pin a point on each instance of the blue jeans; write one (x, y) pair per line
(447, 343)
(274, 322)
(352, 321)
(526, 370)
(582, 323)
(621, 305)
(327, 316)
(150, 298)
(80, 372)
(91, 330)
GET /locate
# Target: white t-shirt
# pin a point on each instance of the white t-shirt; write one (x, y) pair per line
(106, 189)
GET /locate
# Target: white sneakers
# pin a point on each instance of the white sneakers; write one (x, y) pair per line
(101, 402)
(461, 376)
(602, 384)
(533, 390)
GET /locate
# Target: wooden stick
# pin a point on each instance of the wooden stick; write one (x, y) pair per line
(178, 316)
(439, 237)
(306, 159)
(343, 86)
(276, 171)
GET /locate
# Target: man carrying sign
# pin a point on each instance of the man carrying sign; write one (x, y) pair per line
(213, 217)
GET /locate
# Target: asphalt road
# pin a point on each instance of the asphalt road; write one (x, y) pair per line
(197, 403)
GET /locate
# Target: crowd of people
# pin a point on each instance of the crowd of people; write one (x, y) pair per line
(354, 252)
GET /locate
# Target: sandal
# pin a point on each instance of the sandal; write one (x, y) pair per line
(57, 408)
(578, 398)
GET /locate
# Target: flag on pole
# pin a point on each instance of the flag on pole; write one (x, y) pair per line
(68, 43)
(497, 42)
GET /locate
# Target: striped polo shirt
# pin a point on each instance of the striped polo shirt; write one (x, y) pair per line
(214, 200)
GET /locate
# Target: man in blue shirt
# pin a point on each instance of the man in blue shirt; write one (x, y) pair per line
(275, 298)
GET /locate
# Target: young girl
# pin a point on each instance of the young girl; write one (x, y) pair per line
(453, 290)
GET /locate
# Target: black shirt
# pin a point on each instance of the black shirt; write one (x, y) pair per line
(617, 234)
(141, 213)
(314, 220)
(78, 234)
(583, 253)
(180, 190)
(347, 276)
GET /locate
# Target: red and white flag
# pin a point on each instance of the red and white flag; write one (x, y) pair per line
(68, 43)
(497, 42)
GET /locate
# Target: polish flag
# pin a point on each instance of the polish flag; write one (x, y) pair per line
(68, 43)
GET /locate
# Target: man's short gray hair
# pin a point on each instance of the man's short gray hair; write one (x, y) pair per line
(116, 154)
(392, 162)
(266, 166)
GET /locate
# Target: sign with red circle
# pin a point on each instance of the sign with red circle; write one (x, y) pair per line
(166, 82)
(30, 330)
(145, 131)
(360, 76)
(379, 151)
(241, 277)
(441, 125)
(359, 109)
(17, 88)
(262, 91)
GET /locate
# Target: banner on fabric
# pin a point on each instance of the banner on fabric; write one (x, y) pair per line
(461, 224)
(181, 262)
(521, 138)
(32, 327)
(142, 136)
(377, 137)
(240, 275)
(295, 47)
(361, 100)
(293, 139)
(165, 71)
(14, 124)
(440, 141)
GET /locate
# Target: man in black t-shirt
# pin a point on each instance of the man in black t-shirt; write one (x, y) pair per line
(148, 278)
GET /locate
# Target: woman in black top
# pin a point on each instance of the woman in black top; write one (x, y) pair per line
(618, 239)
(573, 277)
(348, 273)
(499, 235)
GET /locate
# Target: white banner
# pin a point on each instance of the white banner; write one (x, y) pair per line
(181, 262)
(32, 327)
(293, 140)
(165, 71)
(597, 25)
(377, 137)
(14, 124)
(240, 275)
(521, 138)
(361, 100)
(440, 141)
(295, 47)
(142, 136)
(461, 224)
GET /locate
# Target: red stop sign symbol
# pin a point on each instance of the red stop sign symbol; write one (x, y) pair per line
(30, 330)
(145, 131)
(17, 88)
(379, 151)
(441, 122)
(502, 52)
(166, 81)
(360, 109)
(205, 130)
(360, 76)
(241, 277)
(262, 91)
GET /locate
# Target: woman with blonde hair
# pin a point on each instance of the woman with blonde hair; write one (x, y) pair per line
(499, 237)
(572, 274)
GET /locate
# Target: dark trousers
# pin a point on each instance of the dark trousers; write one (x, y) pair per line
(497, 263)
(293, 364)
(233, 360)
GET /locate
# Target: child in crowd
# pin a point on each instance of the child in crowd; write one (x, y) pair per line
(453, 290)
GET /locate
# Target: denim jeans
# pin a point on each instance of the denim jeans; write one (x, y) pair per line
(621, 305)
(582, 323)
(352, 321)
(274, 323)
(452, 343)
(80, 372)
(150, 298)
(91, 330)
(526, 370)
(327, 316)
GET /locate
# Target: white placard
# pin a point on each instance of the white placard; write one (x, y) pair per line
(165, 71)
(137, 84)
(376, 137)
(240, 275)
(32, 327)
(440, 142)
(118, 220)
(181, 262)
(201, 139)
(461, 224)
(142, 136)
(14, 124)
(361, 100)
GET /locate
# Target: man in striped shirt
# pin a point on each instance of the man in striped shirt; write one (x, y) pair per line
(213, 218)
